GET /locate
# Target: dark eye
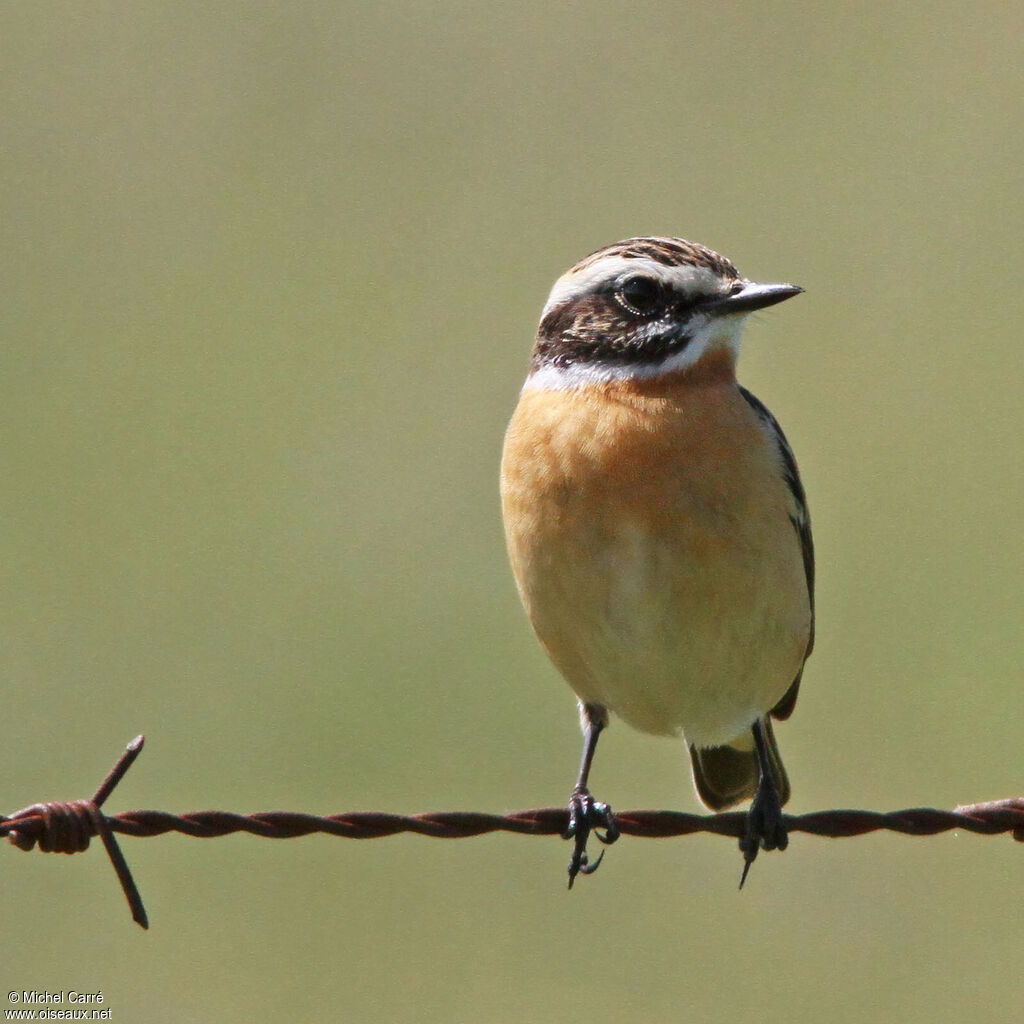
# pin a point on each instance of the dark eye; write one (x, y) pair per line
(640, 296)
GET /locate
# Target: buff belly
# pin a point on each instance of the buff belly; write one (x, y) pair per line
(650, 538)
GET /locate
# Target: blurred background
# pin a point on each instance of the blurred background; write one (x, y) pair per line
(269, 280)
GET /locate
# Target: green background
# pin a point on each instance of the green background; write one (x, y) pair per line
(268, 282)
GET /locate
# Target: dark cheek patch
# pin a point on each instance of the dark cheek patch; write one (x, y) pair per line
(596, 330)
(591, 313)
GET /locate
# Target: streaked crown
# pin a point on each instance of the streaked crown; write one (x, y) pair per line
(643, 307)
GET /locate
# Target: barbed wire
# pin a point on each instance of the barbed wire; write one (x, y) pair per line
(68, 826)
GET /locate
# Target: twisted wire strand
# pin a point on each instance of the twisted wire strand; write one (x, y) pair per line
(68, 826)
(982, 819)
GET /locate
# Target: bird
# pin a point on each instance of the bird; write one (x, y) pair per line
(657, 526)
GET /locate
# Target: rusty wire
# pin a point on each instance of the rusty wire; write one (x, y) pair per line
(67, 827)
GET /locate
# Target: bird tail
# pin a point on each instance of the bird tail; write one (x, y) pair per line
(726, 775)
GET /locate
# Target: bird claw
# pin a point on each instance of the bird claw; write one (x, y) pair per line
(765, 829)
(586, 816)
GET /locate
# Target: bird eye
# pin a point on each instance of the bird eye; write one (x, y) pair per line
(640, 296)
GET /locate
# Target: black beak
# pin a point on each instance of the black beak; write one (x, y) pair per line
(750, 297)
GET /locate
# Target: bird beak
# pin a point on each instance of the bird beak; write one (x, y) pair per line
(752, 296)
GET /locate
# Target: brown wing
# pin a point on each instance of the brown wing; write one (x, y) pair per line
(801, 520)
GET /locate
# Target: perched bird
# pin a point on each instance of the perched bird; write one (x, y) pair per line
(657, 527)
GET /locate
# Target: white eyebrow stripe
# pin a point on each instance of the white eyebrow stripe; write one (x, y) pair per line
(686, 278)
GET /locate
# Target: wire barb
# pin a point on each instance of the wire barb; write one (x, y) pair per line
(67, 827)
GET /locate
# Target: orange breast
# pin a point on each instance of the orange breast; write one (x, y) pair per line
(649, 533)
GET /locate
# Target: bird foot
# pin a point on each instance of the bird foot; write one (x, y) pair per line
(587, 815)
(765, 829)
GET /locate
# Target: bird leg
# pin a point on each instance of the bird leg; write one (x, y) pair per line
(586, 814)
(765, 828)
